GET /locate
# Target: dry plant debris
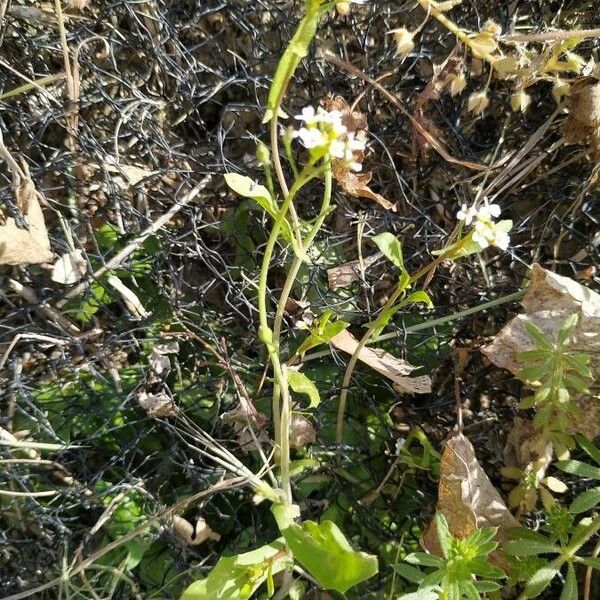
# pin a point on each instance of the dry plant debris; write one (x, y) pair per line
(549, 300)
(466, 496)
(392, 367)
(30, 246)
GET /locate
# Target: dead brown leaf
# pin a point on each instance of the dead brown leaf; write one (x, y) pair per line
(550, 299)
(69, 268)
(343, 275)
(194, 535)
(301, 432)
(21, 246)
(466, 496)
(582, 126)
(395, 369)
(246, 420)
(355, 184)
(158, 405)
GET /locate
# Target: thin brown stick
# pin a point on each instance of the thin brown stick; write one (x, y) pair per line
(120, 256)
(435, 144)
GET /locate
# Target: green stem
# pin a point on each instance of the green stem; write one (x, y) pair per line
(265, 333)
(291, 278)
(367, 337)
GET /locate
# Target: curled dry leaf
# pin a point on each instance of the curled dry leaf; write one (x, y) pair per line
(158, 361)
(355, 184)
(343, 275)
(157, 405)
(21, 246)
(301, 432)
(395, 369)
(466, 497)
(245, 420)
(132, 302)
(549, 300)
(69, 268)
(194, 535)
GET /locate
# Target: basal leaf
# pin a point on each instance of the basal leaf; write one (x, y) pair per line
(238, 577)
(324, 552)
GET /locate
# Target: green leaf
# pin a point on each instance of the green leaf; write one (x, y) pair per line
(569, 591)
(530, 548)
(581, 469)
(238, 577)
(486, 586)
(322, 332)
(585, 501)
(566, 329)
(425, 594)
(592, 562)
(443, 534)
(324, 552)
(301, 384)
(589, 448)
(417, 297)
(469, 591)
(541, 579)
(424, 560)
(409, 572)
(538, 336)
(247, 188)
(391, 248)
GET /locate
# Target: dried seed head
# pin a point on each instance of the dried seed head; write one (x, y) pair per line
(78, 4)
(561, 90)
(478, 102)
(457, 84)
(342, 8)
(520, 101)
(404, 41)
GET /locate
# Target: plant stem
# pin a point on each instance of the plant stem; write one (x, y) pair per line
(430, 6)
(291, 278)
(286, 420)
(265, 333)
(365, 340)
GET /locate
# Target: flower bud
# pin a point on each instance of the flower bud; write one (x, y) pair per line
(263, 155)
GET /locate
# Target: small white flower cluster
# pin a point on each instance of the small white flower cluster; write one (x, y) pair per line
(324, 133)
(485, 230)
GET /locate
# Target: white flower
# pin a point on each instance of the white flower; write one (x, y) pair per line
(325, 134)
(488, 212)
(466, 214)
(485, 230)
(311, 137)
(307, 115)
